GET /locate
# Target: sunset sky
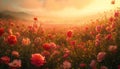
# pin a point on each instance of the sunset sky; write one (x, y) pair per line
(60, 8)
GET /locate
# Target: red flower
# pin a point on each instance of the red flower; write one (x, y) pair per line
(37, 60)
(11, 39)
(69, 33)
(35, 18)
(116, 14)
(82, 65)
(1, 31)
(5, 59)
(46, 46)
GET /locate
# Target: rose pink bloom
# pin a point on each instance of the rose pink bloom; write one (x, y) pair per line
(82, 65)
(93, 64)
(1, 31)
(69, 33)
(46, 53)
(98, 36)
(11, 39)
(37, 60)
(17, 34)
(112, 48)
(53, 45)
(15, 53)
(111, 19)
(73, 42)
(26, 41)
(101, 56)
(98, 28)
(108, 29)
(103, 67)
(97, 42)
(15, 64)
(5, 59)
(117, 13)
(108, 37)
(66, 64)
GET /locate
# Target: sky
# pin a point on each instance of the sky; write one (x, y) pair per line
(60, 8)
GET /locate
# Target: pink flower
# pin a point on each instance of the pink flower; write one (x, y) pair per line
(108, 37)
(83, 65)
(15, 53)
(112, 48)
(117, 13)
(97, 42)
(26, 41)
(98, 36)
(5, 59)
(66, 65)
(111, 19)
(46, 53)
(101, 56)
(103, 67)
(37, 60)
(53, 45)
(15, 64)
(1, 31)
(11, 39)
(98, 28)
(69, 33)
(93, 64)
(17, 34)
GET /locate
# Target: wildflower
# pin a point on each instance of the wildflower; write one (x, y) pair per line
(98, 28)
(66, 64)
(108, 37)
(15, 64)
(103, 67)
(112, 48)
(101, 56)
(17, 34)
(35, 18)
(93, 64)
(53, 45)
(1, 31)
(73, 42)
(69, 33)
(98, 36)
(46, 53)
(111, 19)
(5, 59)
(11, 39)
(97, 42)
(117, 13)
(15, 53)
(37, 60)
(46, 46)
(82, 65)
(26, 41)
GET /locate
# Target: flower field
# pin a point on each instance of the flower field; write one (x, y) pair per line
(92, 46)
